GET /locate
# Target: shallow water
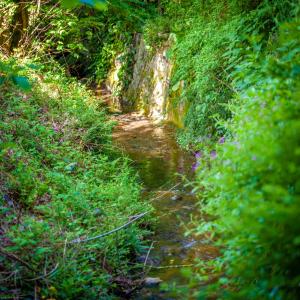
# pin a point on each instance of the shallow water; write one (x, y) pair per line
(163, 168)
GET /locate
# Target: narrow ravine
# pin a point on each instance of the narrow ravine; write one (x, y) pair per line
(163, 168)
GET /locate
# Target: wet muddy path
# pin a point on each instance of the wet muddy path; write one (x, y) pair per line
(162, 167)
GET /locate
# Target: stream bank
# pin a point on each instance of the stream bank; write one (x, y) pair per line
(164, 169)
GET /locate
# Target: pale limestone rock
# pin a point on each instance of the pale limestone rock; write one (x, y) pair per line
(148, 90)
(149, 281)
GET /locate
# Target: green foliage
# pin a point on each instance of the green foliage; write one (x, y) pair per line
(12, 72)
(117, 40)
(251, 188)
(208, 37)
(60, 180)
(85, 41)
(98, 4)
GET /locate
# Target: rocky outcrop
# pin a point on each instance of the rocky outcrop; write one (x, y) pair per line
(113, 84)
(149, 90)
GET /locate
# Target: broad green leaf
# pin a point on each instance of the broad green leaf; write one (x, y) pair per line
(69, 3)
(98, 4)
(101, 5)
(22, 82)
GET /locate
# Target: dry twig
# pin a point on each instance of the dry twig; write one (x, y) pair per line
(16, 258)
(148, 253)
(46, 275)
(135, 218)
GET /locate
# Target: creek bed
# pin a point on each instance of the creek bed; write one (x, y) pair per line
(162, 167)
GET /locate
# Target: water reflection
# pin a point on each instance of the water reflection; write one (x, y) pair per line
(159, 160)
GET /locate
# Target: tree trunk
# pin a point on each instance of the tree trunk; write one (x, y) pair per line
(19, 24)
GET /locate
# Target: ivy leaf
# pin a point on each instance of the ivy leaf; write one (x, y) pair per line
(22, 82)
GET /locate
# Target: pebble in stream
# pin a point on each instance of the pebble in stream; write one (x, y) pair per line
(159, 160)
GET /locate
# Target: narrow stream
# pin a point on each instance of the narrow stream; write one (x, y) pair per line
(162, 165)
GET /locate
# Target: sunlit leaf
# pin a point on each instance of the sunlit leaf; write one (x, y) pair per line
(98, 4)
(101, 5)
(69, 3)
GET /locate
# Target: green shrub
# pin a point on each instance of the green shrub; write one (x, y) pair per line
(61, 180)
(209, 36)
(252, 187)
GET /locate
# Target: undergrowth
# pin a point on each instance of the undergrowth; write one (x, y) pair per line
(62, 180)
(251, 185)
(208, 36)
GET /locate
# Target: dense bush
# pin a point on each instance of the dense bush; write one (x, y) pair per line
(207, 37)
(83, 39)
(241, 81)
(60, 177)
(61, 180)
(252, 186)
